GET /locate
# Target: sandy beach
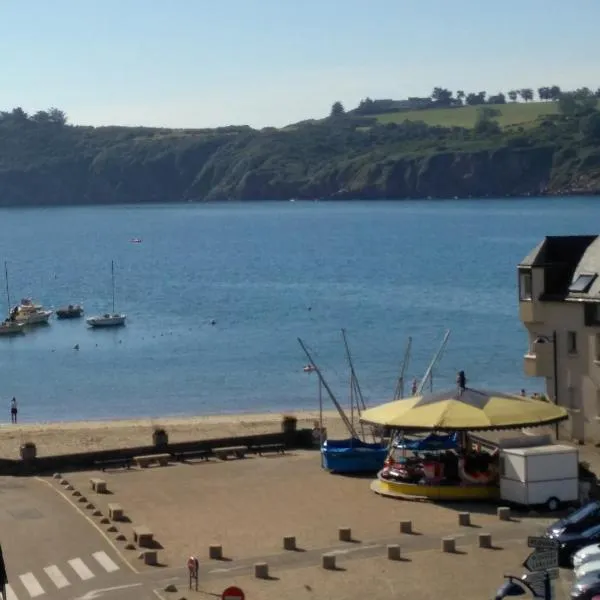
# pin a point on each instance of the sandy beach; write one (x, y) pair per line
(83, 436)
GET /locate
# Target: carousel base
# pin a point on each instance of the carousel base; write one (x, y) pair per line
(434, 493)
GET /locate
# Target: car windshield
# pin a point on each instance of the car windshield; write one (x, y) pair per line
(585, 512)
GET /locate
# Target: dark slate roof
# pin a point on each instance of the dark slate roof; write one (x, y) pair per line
(564, 259)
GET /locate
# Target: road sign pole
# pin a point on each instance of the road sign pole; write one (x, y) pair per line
(547, 586)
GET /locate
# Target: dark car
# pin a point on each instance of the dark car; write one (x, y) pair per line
(585, 588)
(579, 520)
(569, 543)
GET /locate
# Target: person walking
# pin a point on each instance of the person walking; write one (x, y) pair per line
(13, 411)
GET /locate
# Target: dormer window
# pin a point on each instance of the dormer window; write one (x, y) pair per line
(525, 285)
(583, 283)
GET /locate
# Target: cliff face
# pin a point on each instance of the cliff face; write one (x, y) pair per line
(116, 165)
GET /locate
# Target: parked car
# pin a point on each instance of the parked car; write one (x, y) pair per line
(591, 566)
(579, 520)
(586, 554)
(569, 543)
(586, 588)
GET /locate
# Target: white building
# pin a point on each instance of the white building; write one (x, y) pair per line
(559, 304)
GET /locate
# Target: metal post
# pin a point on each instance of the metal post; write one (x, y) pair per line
(547, 586)
(555, 368)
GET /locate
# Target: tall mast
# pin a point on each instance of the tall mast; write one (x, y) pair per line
(340, 410)
(112, 274)
(399, 393)
(6, 279)
(433, 362)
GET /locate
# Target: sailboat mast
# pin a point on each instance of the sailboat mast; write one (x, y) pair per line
(433, 362)
(6, 279)
(399, 393)
(112, 274)
(340, 410)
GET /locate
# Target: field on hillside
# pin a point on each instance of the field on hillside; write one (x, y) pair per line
(513, 114)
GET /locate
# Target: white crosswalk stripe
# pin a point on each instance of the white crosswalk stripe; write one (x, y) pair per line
(31, 584)
(56, 576)
(106, 562)
(10, 595)
(81, 569)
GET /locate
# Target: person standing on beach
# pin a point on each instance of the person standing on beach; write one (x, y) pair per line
(13, 411)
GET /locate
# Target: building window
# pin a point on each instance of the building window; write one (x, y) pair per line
(591, 314)
(525, 285)
(572, 342)
(583, 283)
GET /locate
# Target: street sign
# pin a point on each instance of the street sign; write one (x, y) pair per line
(541, 560)
(540, 575)
(541, 543)
(233, 593)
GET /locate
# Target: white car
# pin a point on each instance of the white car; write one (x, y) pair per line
(587, 568)
(591, 552)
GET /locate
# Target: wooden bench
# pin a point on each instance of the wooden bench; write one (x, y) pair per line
(149, 459)
(143, 536)
(233, 451)
(113, 463)
(115, 511)
(191, 454)
(265, 448)
(98, 485)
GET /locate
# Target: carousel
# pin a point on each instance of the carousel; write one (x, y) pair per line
(431, 453)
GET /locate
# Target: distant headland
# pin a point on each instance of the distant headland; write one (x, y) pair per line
(451, 144)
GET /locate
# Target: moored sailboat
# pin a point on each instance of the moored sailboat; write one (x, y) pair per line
(9, 326)
(113, 319)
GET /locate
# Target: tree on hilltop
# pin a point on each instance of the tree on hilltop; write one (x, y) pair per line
(337, 109)
(526, 94)
(442, 96)
(555, 92)
(476, 99)
(544, 93)
(499, 98)
(578, 103)
(513, 94)
(460, 96)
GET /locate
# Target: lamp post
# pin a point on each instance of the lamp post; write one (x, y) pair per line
(544, 339)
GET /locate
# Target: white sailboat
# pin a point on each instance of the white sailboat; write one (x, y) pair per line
(113, 319)
(8, 326)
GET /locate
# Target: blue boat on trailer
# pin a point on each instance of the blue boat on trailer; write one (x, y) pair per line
(353, 456)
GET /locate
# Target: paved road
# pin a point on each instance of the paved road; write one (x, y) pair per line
(50, 551)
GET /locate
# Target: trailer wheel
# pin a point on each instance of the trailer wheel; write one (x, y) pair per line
(553, 504)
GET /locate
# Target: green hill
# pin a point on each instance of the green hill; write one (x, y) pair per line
(519, 114)
(418, 154)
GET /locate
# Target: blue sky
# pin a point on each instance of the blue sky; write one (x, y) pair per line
(203, 63)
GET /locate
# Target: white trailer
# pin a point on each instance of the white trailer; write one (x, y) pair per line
(541, 475)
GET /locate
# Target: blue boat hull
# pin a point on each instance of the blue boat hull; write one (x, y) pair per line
(353, 456)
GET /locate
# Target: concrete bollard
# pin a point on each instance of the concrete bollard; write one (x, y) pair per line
(90, 506)
(150, 557)
(345, 534)
(215, 552)
(97, 513)
(64, 482)
(289, 542)
(69, 487)
(406, 527)
(464, 519)
(328, 562)
(105, 520)
(76, 493)
(261, 570)
(82, 499)
(448, 544)
(503, 513)
(485, 540)
(393, 552)
(57, 476)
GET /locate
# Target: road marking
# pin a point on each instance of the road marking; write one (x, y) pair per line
(10, 595)
(107, 563)
(55, 574)
(81, 568)
(32, 585)
(92, 594)
(357, 549)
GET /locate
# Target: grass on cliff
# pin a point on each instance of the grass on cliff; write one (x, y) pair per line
(515, 114)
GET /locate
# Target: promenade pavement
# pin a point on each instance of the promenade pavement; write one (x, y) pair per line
(50, 550)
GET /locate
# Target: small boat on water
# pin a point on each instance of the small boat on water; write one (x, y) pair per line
(72, 311)
(112, 319)
(11, 328)
(30, 313)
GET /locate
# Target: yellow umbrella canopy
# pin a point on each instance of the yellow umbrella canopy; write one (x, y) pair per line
(467, 410)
